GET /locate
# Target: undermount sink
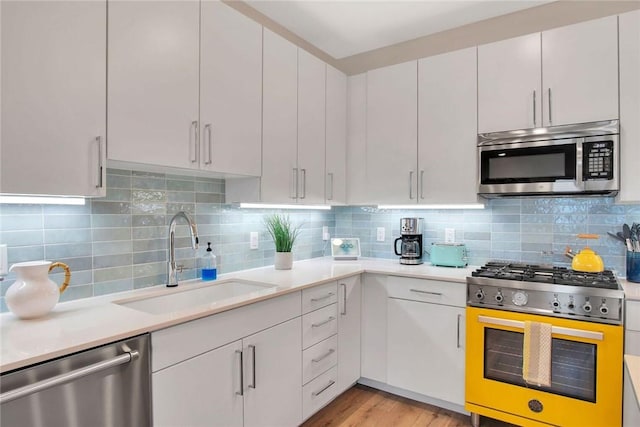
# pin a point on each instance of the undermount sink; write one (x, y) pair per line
(202, 297)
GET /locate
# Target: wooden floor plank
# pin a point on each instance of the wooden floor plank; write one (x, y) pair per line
(362, 406)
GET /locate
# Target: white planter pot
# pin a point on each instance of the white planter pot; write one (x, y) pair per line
(283, 261)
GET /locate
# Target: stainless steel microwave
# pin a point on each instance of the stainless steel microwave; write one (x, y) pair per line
(581, 159)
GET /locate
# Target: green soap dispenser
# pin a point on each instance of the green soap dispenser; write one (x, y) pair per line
(209, 265)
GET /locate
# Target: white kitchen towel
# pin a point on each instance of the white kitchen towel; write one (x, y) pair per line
(536, 353)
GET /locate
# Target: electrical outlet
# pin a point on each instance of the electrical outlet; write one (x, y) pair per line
(380, 234)
(325, 233)
(449, 235)
(253, 240)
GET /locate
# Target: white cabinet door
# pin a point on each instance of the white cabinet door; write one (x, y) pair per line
(336, 137)
(311, 128)
(201, 391)
(447, 128)
(349, 312)
(425, 349)
(392, 133)
(509, 84)
(53, 97)
(357, 139)
(230, 90)
(374, 328)
(273, 376)
(280, 118)
(153, 82)
(580, 72)
(629, 106)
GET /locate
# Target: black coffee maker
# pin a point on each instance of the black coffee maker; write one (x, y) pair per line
(410, 241)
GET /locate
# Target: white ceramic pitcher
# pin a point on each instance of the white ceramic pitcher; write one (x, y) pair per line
(33, 294)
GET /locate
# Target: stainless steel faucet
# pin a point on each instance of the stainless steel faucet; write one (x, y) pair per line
(172, 279)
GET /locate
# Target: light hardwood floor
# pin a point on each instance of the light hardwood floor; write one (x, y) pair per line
(365, 406)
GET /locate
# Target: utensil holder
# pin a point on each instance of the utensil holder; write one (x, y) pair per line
(633, 266)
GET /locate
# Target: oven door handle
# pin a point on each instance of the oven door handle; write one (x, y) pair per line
(578, 333)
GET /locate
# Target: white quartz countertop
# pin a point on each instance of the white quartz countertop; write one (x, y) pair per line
(83, 324)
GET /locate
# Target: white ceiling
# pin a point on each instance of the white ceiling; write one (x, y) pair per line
(343, 28)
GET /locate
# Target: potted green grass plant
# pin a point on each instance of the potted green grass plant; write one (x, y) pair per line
(284, 235)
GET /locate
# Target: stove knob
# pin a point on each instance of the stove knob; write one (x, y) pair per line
(520, 298)
(499, 297)
(604, 309)
(587, 307)
(571, 306)
(555, 304)
(479, 294)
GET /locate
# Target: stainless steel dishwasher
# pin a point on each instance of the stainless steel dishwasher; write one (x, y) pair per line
(103, 386)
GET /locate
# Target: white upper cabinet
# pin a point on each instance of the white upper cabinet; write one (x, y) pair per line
(280, 118)
(629, 106)
(53, 97)
(392, 133)
(336, 137)
(357, 139)
(185, 86)
(230, 90)
(311, 128)
(447, 128)
(561, 76)
(509, 84)
(580, 72)
(153, 82)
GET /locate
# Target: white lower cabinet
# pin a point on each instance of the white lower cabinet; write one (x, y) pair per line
(349, 311)
(373, 357)
(630, 402)
(319, 392)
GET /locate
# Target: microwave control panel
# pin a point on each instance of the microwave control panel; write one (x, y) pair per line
(597, 161)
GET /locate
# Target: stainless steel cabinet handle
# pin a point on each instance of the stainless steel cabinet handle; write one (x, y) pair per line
(458, 332)
(549, 106)
(241, 392)
(294, 183)
(304, 183)
(100, 165)
(411, 185)
(253, 366)
(208, 131)
(324, 356)
(329, 295)
(330, 186)
(344, 299)
(319, 392)
(324, 322)
(422, 184)
(534, 109)
(578, 333)
(425, 292)
(193, 141)
(69, 376)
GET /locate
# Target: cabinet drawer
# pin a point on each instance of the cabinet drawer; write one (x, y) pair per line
(319, 358)
(180, 342)
(434, 291)
(632, 315)
(319, 325)
(319, 296)
(319, 392)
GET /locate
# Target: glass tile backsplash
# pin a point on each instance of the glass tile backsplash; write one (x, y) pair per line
(119, 242)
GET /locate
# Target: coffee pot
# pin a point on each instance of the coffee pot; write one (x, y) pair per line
(410, 241)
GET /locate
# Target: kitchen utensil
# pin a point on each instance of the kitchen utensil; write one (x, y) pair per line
(33, 294)
(626, 233)
(635, 237)
(586, 260)
(617, 236)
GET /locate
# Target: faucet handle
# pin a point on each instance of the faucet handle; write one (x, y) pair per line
(179, 268)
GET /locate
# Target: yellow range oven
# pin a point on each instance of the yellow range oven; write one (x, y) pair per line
(584, 314)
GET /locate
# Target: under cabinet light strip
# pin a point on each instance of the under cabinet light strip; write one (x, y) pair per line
(278, 206)
(465, 206)
(42, 200)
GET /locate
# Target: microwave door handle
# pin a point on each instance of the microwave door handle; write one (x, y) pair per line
(579, 181)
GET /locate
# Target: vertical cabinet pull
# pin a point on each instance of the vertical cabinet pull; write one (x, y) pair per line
(411, 185)
(458, 332)
(549, 106)
(241, 392)
(422, 184)
(193, 142)
(100, 165)
(294, 183)
(304, 183)
(344, 299)
(208, 131)
(319, 392)
(534, 109)
(330, 197)
(253, 366)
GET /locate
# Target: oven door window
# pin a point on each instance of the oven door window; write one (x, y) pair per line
(532, 164)
(573, 364)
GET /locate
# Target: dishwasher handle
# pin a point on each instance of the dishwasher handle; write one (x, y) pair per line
(69, 376)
